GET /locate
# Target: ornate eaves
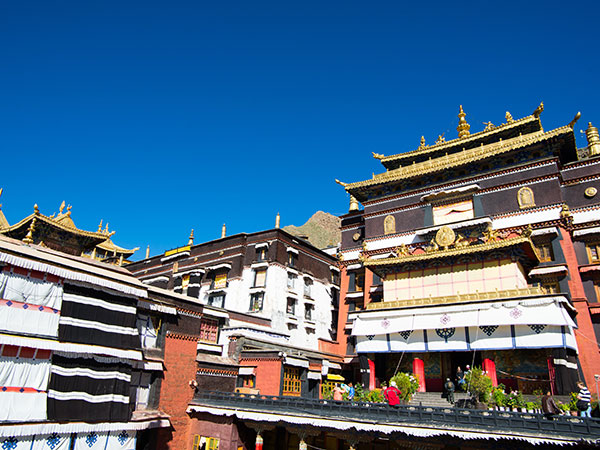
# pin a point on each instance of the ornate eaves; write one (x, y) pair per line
(458, 159)
(450, 252)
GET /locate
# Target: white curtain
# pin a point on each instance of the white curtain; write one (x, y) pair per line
(25, 406)
(31, 320)
(24, 372)
(30, 290)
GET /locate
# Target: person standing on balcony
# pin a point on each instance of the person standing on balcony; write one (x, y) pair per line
(549, 406)
(583, 400)
(392, 395)
(338, 393)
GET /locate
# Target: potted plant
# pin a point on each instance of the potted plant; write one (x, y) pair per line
(408, 385)
(530, 406)
(479, 384)
(573, 404)
(499, 398)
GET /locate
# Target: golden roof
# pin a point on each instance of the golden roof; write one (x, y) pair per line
(463, 141)
(458, 159)
(110, 246)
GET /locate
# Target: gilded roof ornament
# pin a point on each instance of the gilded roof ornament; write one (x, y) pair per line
(538, 110)
(62, 206)
(353, 203)
(28, 239)
(341, 183)
(509, 117)
(191, 238)
(378, 155)
(463, 127)
(36, 209)
(593, 139)
(439, 140)
(100, 226)
(575, 119)
(422, 144)
(488, 126)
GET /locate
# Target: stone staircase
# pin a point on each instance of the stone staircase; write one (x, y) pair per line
(435, 399)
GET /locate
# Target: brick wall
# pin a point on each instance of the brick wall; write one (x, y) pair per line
(268, 375)
(180, 368)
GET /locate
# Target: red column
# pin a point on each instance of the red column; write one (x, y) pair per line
(371, 374)
(551, 374)
(489, 366)
(419, 371)
(259, 442)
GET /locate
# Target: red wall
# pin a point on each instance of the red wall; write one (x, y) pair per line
(268, 375)
(175, 393)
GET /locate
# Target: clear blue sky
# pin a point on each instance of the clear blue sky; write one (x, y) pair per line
(162, 117)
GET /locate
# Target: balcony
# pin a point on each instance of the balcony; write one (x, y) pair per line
(413, 420)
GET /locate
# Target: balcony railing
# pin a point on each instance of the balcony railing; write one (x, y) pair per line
(504, 422)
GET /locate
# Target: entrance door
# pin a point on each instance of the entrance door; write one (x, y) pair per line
(453, 360)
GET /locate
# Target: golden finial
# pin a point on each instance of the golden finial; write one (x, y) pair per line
(191, 238)
(28, 239)
(509, 117)
(223, 231)
(593, 139)
(353, 203)
(341, 183)
(36, 209)
(422, 144)
(148, 251)
(378, 155)
(277, 220)
(439, 140)
(575, 119)
(106, 228)
(538, 110)
(62, 206)
(463, 127)
(100, 227)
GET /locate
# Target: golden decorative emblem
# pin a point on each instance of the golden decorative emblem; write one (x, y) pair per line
(445, 237)
(590, 192)
(356, 236)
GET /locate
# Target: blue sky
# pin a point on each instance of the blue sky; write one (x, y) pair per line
(159, 117)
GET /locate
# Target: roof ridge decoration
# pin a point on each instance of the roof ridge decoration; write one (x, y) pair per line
(456, 159)
(510, 123)
(463, 127)
(447, 243)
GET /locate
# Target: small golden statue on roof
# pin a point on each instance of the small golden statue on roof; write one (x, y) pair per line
(488, 126)
(463, 127)
(440, 139)
(509, 117)
(422, 144)
(538, 110)
(402, 250)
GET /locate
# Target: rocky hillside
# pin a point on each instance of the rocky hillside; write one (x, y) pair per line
(322, 230)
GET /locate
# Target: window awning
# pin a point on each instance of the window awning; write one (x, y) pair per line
(247, 371)
(548, 270)
(314, 375)
(296, 362)
(335, 377)
(536, 311)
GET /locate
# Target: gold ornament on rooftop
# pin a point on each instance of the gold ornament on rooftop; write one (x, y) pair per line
(463, 127)
(509, 117)
(538, 110)
(440, 139)
(445, 236)
(422, 144)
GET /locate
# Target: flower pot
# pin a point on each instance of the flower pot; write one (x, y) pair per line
(530, 411)
(500, 408)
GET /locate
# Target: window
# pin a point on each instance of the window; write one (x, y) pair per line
(185, 281)
(148, 329)
(544, 252)
(261, 254)
(210, 443)
(291, 282)
(247, 381)
(453, 212)
(593, 252)
(356, 281)
(217, 300)
(256, 301)
(335, 277)
(307, 287)
(551, 287)
(209, 330)
(139, 389)
(376, 280)
(292, 259)
(260, 277)
(219, 281)
(291, 381)
(291, 306)
(308, 311)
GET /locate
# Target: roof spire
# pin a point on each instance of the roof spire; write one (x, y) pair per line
(223, 231)
(422, 145)
(28, 239)
(191, 238)
(463, 127)
(100, 227)
(62, 206)
(353, 203)
(277, 220)
(593, 139)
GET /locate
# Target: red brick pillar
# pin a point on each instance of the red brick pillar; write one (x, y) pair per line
(589, 355)
(419, 372)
